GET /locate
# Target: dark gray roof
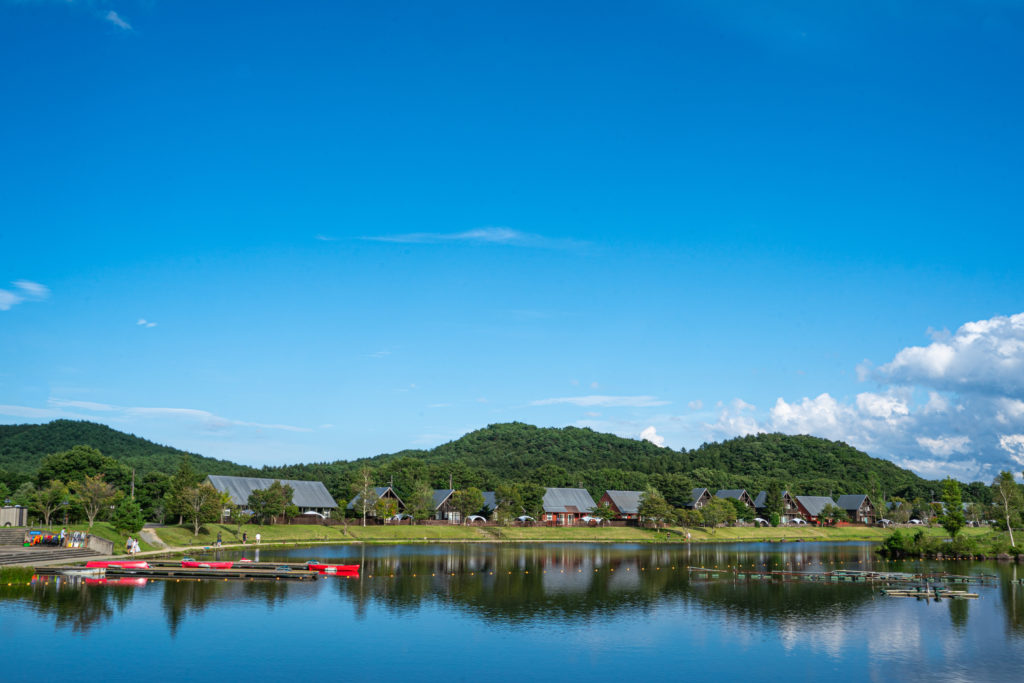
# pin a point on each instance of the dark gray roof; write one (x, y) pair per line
(815, 504)
(568, 500)
(307, 494)
(893, 505)
(730, 493)
(851, 501)
(490, 501)
(441, 495)
(628, 502)
(696, 494)
(380, 490)
(763, 496)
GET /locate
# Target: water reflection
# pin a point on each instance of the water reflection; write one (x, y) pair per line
(509, 585)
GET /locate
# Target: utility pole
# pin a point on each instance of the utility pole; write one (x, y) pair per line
(133, 483)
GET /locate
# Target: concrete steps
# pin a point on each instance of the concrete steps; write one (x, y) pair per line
(19, 555)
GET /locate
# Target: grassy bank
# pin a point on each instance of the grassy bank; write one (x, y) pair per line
(313, 533)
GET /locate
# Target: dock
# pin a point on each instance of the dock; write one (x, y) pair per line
(173, 571)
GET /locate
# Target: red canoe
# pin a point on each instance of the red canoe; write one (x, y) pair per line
(123, 564)
(196, 564)
(334, 568)
(122, 581)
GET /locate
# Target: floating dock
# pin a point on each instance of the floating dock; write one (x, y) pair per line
(176, 572)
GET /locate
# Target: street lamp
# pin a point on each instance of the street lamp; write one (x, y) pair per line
(64, 504)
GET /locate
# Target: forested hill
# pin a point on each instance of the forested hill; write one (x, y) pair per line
(571, 456)
(22, 448)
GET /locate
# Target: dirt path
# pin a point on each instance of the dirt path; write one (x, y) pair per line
(150, 537)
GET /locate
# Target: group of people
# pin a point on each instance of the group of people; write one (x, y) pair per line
(132, 546)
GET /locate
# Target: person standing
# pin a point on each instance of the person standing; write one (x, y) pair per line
(128, 544)
(245, 537)
(257, 538)
(218, 539)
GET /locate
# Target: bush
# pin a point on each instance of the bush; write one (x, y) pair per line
(774, 520)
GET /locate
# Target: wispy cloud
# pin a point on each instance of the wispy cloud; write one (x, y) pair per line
(326, 238)
(115, 19)
(207, 420)
(489, 235)
(24, 290)
(142, 322)
(603, 401)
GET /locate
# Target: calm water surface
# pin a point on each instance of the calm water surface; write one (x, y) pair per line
(518, 612)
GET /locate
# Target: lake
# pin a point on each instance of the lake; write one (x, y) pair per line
(467, 612)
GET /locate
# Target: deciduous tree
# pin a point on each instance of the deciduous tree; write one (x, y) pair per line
(1008, 499)
(468, 501)
(202, 504)
(48, 500)
(365, 492)
(94, 493)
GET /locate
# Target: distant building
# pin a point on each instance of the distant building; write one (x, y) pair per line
(382, 492)
(625, 504)
(309, 496)
(444, 506)
(565, 507)
(490, 505)
(790, 510)
(737, 494)
(811, 507)
(13, 515)
(859, 508)
(698, 499)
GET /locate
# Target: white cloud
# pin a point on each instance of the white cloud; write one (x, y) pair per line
(85, 405)
(695, 405)
(736, 419)
(117, 21)
(142, 322)
(488, 235)
(651, 434)
(889, 407)
(1014, 445)
(603, 401)
(945, 446)
(985, 356)
(26, 290)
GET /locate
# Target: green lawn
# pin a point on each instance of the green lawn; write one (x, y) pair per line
(809, 533)
(418, 533)
(274, 533)
(606, 534)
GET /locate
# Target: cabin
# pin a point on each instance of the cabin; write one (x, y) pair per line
(444, 506)
(625, 504)
(790, 510)
(308, 496)
(566, 507)
(490, 508)
(13, 515)
(382, 492)
(811, 507)
(737, 494)
(698, 499)
(859, 508)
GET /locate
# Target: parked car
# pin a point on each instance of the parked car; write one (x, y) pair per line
(916, 521)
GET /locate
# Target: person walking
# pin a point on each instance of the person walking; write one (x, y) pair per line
(218, 539)
(128, 545)
(245, 537)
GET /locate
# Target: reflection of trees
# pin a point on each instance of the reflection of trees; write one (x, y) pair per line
(1012, 594)
(72, 602)
(574, 582)
(180, 598)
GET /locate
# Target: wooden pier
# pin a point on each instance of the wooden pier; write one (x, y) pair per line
(173, 571)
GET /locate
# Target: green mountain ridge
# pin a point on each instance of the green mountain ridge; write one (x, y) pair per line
(23, 446)
(518, 452)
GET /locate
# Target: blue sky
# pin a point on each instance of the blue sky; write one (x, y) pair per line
(279, 233)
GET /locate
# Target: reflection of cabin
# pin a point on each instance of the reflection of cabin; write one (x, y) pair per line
(812, 506)
(565, 507)
(790, 510)
(738, 494)
(859, 508)
(444, 506)
(308, 496)
(385, 492)
(698, 499)
(625, 504)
